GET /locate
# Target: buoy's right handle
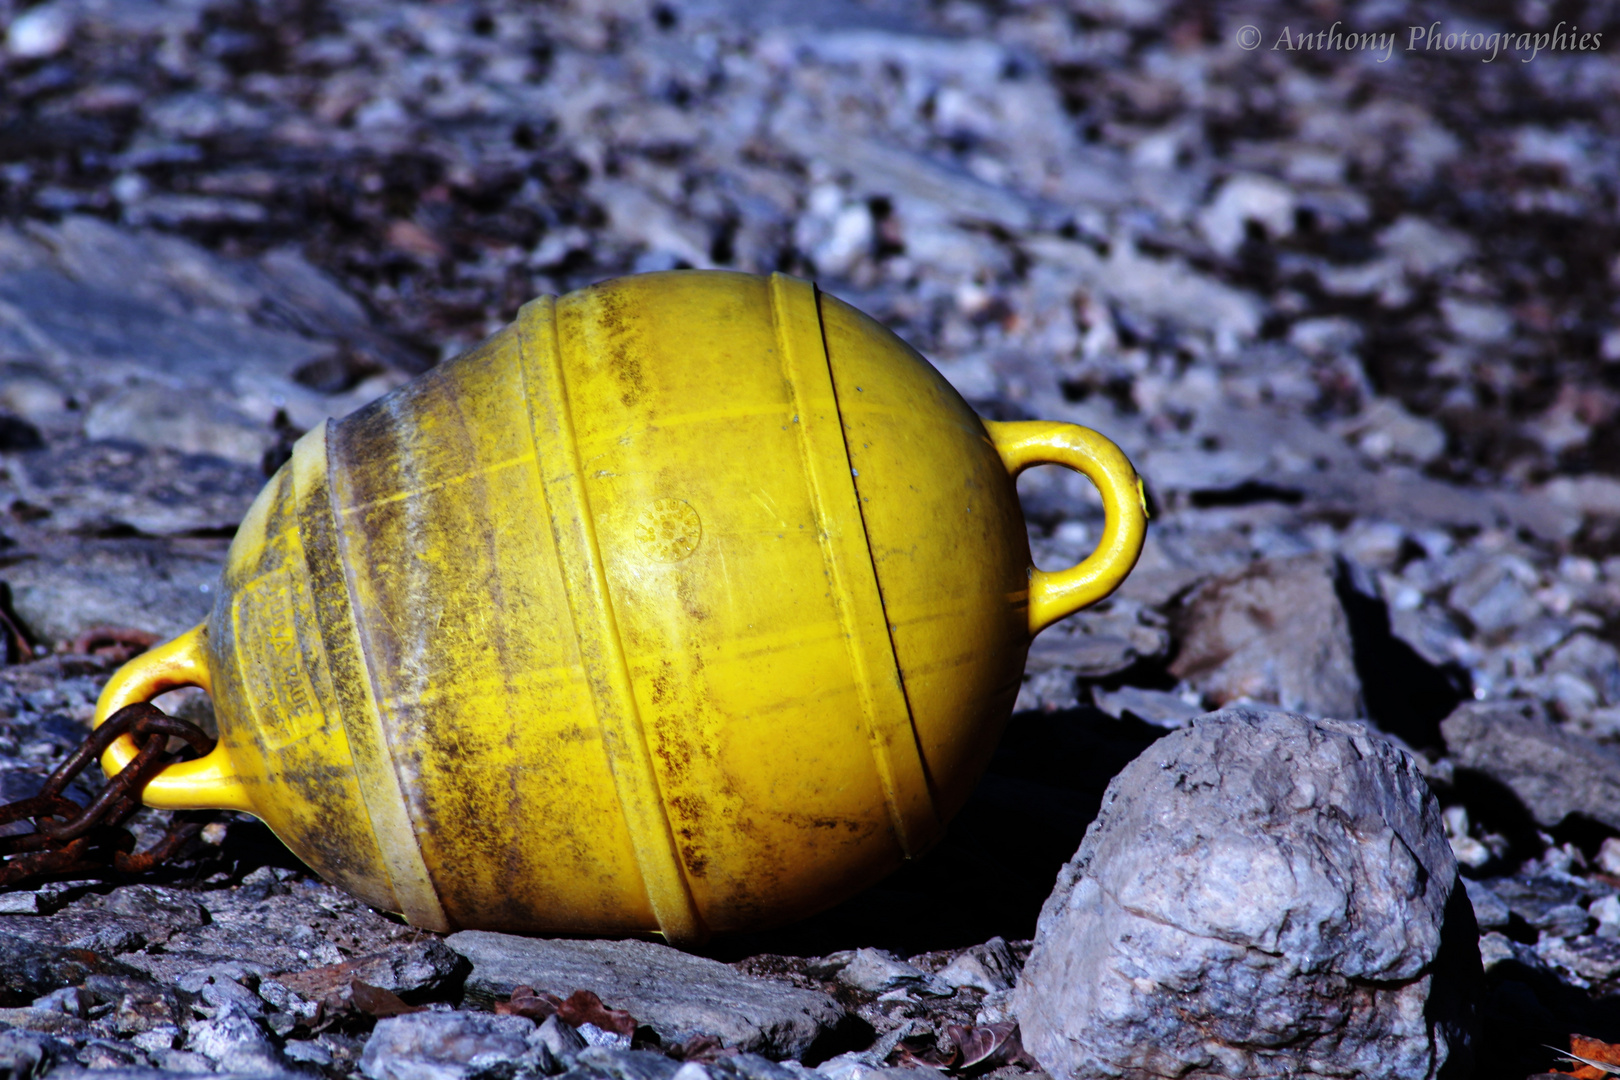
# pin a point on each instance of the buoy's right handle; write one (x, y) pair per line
(209, 783)
(1056, 593)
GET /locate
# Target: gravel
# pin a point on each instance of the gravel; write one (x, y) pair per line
(1353, 318)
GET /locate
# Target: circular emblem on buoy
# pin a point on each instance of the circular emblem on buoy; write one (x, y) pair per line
(668, 530)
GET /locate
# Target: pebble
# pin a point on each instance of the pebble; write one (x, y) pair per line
(234, 1042)
(41, 31)
(563, 1040)
(623, 1063)
(1608, 855)
(1491, 912)
(30, 970)
(1157, 707)
(878, 971)
(1274, 632)
(989, 967)
(1606, 910)
(28, 1053)
(1554, 773)
(19, 903)
(444, 1045)
(1553, 904)
(1243, 199)
(1496, 597)
(1592, 960)
(405, 968)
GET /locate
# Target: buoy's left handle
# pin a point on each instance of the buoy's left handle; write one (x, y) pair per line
(209, 783)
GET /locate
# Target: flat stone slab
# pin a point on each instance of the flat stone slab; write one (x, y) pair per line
(678, 995)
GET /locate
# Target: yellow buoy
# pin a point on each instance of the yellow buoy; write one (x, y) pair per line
(689, 602)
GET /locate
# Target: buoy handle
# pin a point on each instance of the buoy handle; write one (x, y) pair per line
(1054, 594)
(209, 783)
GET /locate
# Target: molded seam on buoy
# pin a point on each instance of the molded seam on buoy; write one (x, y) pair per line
(936, 827)
(326, 556)
(847, 556)
(601, 650)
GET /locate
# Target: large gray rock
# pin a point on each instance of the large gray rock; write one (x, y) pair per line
(1552, 771)
(1262, 894)
(1273, 631)
(677, 994)
(1591, 660)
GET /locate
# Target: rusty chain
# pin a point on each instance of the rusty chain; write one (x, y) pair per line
(70, 838)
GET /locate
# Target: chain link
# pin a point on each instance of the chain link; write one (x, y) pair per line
(70, 838)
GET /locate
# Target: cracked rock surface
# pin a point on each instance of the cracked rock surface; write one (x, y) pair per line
(1261, 894)
(678, 995)
(1355, 318)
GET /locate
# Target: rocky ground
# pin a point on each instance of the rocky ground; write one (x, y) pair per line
(1353, 313)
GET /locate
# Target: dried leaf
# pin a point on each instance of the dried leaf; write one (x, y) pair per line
(974, 1044)
(332, 981)
(332, 987)
(917, 1053)
(375, 1001)
(525, 1001)
(584, 1007)
(991, 1047)
(700, 1048)
(413, 239)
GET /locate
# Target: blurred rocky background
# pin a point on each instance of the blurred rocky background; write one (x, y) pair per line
(1353, 312)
